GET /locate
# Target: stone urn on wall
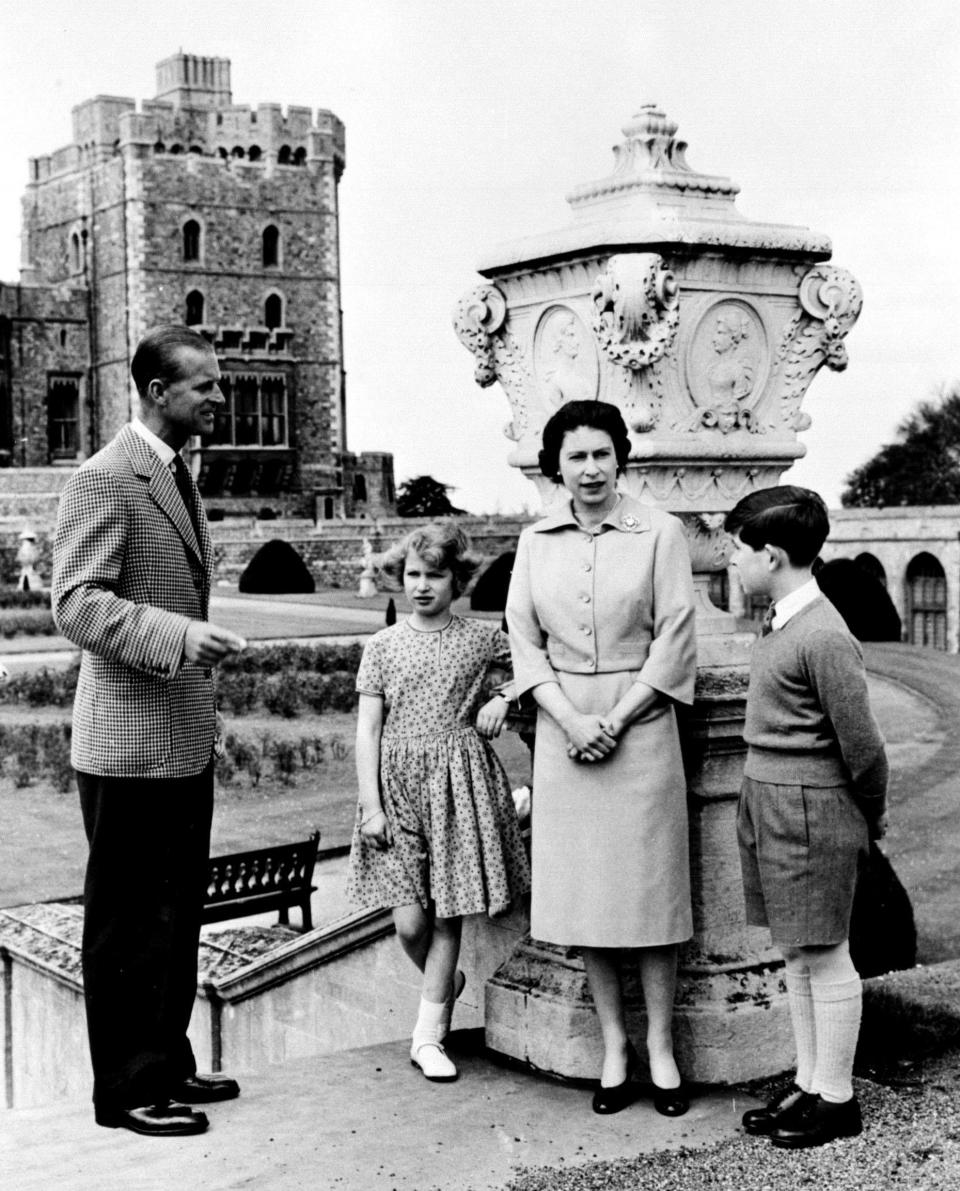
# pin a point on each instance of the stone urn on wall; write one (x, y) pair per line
(706, 329)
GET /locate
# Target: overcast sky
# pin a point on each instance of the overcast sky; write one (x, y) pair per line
(468, 123)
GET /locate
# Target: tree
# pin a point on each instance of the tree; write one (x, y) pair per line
(423, 496)
(921, 468)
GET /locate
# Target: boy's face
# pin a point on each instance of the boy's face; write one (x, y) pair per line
(753, 567)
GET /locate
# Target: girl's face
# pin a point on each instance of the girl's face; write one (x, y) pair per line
(588, 467)
(428, 588)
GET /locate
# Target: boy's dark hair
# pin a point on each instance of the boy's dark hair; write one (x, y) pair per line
(795, 519)
(597, 415)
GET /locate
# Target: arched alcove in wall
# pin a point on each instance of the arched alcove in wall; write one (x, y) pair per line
(926, 602)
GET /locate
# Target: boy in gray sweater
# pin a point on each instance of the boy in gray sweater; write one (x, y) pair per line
(814, 794)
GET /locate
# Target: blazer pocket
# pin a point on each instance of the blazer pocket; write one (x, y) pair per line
(132, 723)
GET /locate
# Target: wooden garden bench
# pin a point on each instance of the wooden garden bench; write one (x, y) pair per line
(244, 883)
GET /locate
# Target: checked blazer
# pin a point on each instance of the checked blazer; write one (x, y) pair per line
(128, 577)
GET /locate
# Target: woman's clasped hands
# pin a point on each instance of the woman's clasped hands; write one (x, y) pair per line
(591, 738)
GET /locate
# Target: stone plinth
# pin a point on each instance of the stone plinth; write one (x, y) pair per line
(705, 329)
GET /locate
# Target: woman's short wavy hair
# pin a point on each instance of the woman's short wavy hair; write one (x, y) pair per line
(596, 415)
(442, 544)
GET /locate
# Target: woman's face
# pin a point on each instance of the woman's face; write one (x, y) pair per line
(588, 467)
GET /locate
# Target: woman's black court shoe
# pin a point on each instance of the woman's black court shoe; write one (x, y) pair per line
(671, 1102)
(621, 1095)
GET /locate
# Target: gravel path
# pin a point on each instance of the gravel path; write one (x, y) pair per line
(911, 1140)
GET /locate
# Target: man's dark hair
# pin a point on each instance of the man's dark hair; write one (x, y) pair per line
(156, 357)
(595, 415)
(795, 519)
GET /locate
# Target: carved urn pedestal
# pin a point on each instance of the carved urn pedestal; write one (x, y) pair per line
(705, 329)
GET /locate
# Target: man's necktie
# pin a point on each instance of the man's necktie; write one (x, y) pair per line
(766, 625)
(185, 485)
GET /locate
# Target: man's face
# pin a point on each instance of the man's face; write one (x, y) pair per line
(189, 404)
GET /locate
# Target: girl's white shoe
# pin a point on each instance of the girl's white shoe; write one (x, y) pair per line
(432, 1060)
(426, 1050)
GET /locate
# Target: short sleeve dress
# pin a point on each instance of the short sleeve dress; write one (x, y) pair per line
(456, 839)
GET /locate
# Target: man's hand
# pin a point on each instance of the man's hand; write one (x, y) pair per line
(207, 645)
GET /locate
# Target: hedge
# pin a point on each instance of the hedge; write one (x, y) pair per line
(281, 680)
(26, 622)
(37, 752)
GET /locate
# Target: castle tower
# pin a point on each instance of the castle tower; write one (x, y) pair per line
(195, 209)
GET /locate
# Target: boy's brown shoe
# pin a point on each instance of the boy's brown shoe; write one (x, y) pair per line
(819, 1122)
(791, 1102)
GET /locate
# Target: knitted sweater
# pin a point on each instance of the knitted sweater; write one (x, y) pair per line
(809, 720)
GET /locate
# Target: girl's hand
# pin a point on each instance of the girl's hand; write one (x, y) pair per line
(492, 716)
(376, 830)
(589, 738)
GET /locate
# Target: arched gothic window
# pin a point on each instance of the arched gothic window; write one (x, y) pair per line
(273, 311)
(271, 245)
(194, 314)
(191, 240)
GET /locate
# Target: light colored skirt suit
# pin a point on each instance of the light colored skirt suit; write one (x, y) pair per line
(596, 611)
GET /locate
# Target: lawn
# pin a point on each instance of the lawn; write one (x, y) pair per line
(42, 846)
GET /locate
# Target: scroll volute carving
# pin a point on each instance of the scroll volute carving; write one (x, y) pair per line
(831, 300)
(478, 316)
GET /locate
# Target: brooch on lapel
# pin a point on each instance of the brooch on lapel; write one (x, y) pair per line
(628, 521)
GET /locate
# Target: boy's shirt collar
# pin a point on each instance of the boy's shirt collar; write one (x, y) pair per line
(791, 604)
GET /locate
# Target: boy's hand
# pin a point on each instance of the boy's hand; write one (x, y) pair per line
(878, 827)
(492, 716)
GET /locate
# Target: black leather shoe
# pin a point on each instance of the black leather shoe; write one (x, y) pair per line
(761, 1121)
(820, 1121)
(154, 1120)
(610, 1100)
(204, 1089)
(671, 1102)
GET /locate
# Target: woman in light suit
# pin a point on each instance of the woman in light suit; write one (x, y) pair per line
(601, 620)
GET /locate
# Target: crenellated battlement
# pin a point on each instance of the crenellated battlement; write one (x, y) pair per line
(193, 112)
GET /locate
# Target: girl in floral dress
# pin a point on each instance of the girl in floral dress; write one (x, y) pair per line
(436, 835)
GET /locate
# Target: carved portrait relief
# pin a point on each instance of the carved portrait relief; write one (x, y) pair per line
(726, 368)
(565, 359)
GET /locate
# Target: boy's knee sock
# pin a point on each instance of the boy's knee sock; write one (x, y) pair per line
(804, 1030)
(836, 1010)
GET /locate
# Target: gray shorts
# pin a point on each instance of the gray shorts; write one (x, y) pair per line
(800, 851)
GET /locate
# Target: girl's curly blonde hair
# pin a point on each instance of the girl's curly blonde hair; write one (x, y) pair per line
(442, 544)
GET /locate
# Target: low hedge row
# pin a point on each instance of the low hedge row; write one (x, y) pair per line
(283, 659)
(12, 597)
(26, 622)
(289, 692)
(41, 752)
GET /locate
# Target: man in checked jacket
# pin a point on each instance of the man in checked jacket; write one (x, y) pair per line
(131, 586)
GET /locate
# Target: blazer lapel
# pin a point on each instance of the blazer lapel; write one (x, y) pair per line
(166, 495)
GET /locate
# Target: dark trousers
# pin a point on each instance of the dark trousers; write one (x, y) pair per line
(143, 897)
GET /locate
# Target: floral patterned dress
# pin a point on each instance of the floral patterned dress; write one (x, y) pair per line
(456, 840)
